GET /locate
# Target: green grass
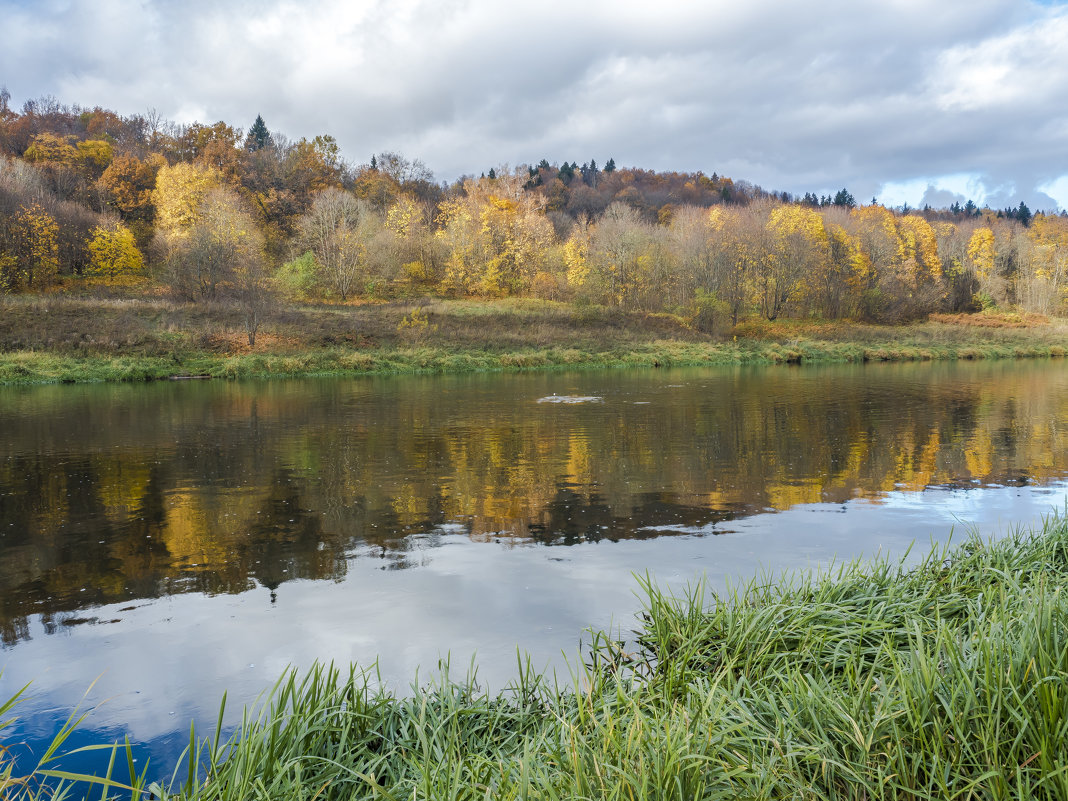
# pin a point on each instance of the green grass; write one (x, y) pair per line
(947, 680)
(29, 367)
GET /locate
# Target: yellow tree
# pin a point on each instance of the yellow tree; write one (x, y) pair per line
(495, 235)
(114, 254)
(960, 281)
(411, 246)
(36, 249)
(876, 231)
(1042, 273)
(514, 236)
(981, 261)
(916, 282)
(847, 273)
(178, 194)
(458, 235)
(923, 264)
(889, 279)
(128, 183)
(94, 156)
(52, 149)
(738, 241)
(576, 255)
(797, 261)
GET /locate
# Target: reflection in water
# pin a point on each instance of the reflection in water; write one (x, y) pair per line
(113, 494)
(182, 540)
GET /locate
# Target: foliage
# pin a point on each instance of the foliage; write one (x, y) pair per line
(178, 194)
(633, 238)
(34, 257)
(297, 278)
(114, 253)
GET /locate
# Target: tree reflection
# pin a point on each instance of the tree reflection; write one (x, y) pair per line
(112, 494)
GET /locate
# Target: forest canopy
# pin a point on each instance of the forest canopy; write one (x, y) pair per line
(214, 211)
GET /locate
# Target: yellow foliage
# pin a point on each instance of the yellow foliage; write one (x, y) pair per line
(576, 260)
(403, 217)
(877, 231)
(113, 253)
(717, 218)
(981, 252)
(95, 154)
(178, 194)
(36, 248)
(1050, 230)
(795, 219)
(47, 147)
(921, 244)
(848, 258)
(497, 240)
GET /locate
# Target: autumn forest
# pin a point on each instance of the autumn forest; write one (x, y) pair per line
(89, 198)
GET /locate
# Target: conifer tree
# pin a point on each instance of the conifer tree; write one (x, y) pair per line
(258, 136)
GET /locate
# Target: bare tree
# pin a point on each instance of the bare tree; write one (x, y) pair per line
(337, 229)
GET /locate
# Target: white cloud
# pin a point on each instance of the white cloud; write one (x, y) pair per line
(791, 96)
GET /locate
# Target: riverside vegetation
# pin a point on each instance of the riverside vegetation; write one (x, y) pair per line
(132, 248)
(946, 680)
(57, 338)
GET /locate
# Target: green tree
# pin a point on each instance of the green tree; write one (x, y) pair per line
(845, 199)
(258, 136)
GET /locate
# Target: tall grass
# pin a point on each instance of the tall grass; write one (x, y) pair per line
(947, 680)
(45, 780)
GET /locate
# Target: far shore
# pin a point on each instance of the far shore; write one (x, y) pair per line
(58, 339)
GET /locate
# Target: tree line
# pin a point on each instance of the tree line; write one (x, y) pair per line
(212, 212)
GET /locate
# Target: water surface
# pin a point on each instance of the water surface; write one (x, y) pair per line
(179, 539)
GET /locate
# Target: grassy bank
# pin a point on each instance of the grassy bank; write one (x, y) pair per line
(68, 339)
(944, 681)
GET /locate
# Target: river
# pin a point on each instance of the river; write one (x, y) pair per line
(176, 540)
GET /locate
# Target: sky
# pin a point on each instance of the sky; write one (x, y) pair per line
(909, 101)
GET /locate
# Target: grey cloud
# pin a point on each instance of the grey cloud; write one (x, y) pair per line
(790, 96)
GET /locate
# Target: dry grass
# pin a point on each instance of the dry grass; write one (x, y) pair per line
(991, 319)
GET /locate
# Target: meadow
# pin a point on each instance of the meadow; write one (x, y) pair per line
(61, 338)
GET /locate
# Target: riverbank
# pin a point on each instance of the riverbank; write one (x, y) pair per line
(944, 680)
(51, 339)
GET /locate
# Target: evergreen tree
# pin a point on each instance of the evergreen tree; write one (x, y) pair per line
(610, 165)
(845, 199)
(492, 174)
(258, 136)
(1023, 214)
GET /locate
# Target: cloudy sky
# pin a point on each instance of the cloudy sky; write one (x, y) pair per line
(913, 101)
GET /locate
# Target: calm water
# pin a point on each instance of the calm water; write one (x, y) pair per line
(177, 540)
